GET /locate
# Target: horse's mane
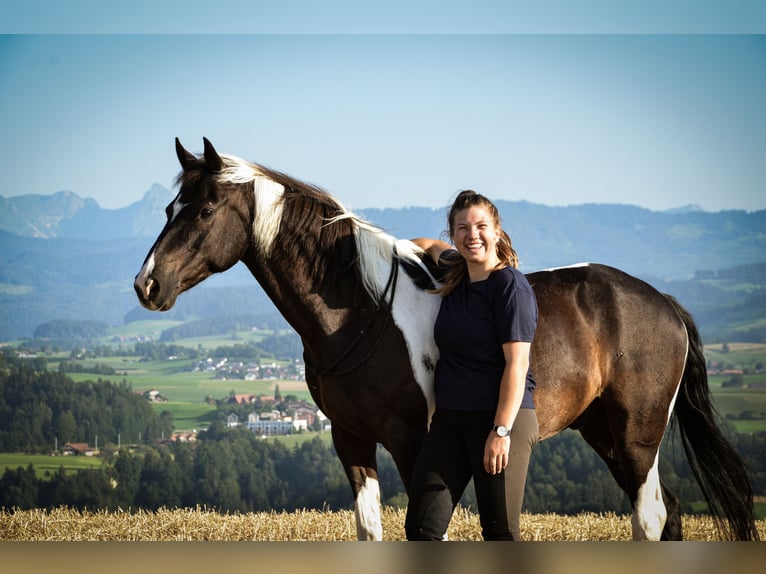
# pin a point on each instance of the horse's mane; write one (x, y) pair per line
(324, 226)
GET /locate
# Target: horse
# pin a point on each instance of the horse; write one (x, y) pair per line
(613, 357)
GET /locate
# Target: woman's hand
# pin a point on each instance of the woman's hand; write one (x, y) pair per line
(496, 450)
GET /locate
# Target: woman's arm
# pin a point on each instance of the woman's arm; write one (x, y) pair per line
(434, 247)
(511, 394)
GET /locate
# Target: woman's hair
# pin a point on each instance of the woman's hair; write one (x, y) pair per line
(504, 247)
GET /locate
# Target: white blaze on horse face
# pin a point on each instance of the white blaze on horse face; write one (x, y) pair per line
(367, 511)
(148, 266)
(178, 205)
(144, 275)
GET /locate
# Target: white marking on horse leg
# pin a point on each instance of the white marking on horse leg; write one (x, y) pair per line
(367, 511)
(649, 511)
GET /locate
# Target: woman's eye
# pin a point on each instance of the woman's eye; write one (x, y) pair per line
(206, 213)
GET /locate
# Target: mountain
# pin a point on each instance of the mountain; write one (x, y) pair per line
(65, 215)
(637, 240)
(64, 257)
(667, 244)
(41, 215)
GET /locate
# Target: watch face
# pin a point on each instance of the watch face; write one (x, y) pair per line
(501, 430)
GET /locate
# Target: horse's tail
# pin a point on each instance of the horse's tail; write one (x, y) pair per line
(721, 473)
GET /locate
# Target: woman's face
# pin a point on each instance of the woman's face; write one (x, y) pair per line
(475, 236)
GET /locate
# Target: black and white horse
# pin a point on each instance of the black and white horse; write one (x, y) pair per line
(613, 357)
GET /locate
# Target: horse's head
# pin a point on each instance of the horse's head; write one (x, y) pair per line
(208, 229)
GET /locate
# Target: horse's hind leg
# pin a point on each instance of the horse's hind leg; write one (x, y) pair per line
(672, 530)
(359, 462)
(633, 462)
(649, 511)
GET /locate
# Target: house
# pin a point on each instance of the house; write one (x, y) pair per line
(268, 424)
(184, 436)
(303, 411)
(77, 448)
(243, 399)
(232, 420)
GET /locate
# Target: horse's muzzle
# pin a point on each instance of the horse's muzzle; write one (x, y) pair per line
(148, 291)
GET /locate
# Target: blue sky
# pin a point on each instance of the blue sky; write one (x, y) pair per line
(391, 119)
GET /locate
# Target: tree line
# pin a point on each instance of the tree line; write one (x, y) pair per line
(233, 470)
(39, 409)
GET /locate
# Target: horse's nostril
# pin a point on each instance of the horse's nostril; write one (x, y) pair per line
(147, 289)
(151, 288)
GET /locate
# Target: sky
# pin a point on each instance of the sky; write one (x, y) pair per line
(385, 111)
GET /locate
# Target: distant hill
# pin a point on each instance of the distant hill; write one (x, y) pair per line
(65, 215)
(64, 257)
(642, 242)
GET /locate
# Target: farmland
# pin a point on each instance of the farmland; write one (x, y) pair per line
(187, 391)
(47, 464)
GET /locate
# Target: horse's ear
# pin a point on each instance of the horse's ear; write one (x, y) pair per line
(213, 160)
(185, 158)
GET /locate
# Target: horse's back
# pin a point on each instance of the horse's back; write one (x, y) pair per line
(601, 333)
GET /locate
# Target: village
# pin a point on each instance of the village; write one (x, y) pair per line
(274, 418)
(284, 418)
(250, 371)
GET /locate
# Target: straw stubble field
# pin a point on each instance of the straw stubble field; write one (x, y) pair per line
(309, 525)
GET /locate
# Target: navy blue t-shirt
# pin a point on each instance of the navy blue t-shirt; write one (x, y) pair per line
(473, 323)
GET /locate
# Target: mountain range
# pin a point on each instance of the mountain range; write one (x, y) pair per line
(65, 257)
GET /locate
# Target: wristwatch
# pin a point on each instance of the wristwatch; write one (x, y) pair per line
(501, 430)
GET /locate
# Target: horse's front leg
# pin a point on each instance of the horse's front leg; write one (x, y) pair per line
(358, 459)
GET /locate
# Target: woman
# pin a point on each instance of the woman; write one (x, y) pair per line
(484, 425)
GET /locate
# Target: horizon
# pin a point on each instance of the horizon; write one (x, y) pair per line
(689, 207)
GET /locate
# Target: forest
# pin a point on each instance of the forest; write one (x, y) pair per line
(235, 470)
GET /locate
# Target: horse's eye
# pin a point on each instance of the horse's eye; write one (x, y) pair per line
(206, 213)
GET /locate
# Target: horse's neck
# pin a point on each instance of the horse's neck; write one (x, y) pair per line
(314, 305)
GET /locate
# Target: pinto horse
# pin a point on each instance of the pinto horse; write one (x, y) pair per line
(613, 357)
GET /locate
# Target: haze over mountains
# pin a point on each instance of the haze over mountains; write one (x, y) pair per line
(64, 257)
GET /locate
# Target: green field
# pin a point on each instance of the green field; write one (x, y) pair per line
(176, 383)
(46, 463)
(147, 328)
(734, 401)
(295, 439)
(186, 391)
(739, 356)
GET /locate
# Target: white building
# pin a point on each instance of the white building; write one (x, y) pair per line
(270, 425)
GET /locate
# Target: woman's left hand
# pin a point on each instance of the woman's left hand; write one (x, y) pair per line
(496, 450)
